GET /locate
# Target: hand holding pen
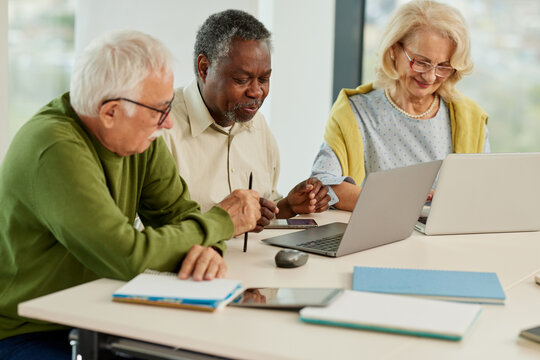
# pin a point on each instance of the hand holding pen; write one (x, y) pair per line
(244, 208)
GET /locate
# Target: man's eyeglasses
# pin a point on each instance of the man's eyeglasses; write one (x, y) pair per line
(424, 66)
(164, 113)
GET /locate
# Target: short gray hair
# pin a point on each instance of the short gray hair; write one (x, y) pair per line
(114, 65)
(216, 34)
(413, 17)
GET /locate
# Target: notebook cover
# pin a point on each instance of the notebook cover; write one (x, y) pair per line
(166, 289)
(467, 286)
(396, 314)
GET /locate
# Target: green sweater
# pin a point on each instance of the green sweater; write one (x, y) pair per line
(67, 205)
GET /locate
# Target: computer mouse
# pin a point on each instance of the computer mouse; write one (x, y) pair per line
(289, 258)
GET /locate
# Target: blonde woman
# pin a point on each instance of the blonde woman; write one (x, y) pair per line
(412, 113)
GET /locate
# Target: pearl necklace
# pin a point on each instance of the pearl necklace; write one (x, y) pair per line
(387, 94)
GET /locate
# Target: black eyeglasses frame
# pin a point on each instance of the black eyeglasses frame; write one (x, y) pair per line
(164, 113)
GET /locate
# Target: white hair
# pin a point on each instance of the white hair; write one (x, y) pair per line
(114, 65)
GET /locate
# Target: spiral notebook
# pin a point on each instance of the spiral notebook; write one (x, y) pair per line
(166, 289)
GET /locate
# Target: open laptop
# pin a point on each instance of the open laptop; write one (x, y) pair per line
(485, 193)
(386, 211)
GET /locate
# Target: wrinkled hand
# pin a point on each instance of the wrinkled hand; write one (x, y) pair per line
(202, 263)
(244, 209)
(309, 196)
(268, 211)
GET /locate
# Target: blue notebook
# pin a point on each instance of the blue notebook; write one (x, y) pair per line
(466, 286)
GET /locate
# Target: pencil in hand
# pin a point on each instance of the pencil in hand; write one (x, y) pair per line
(246, 233)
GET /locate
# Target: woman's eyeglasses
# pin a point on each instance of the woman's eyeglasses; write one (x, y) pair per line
(422, 66)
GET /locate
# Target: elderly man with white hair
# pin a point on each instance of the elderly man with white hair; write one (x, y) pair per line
(78, 174)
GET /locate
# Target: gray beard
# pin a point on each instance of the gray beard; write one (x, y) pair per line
(231, 114)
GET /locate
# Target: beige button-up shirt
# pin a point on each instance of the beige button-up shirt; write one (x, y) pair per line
(214, 162)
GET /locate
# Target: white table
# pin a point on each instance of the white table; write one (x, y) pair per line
(269, 334)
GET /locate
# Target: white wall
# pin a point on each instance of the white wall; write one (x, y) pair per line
(174, 22)
(4, 123)
(301, 84)
(302, 61)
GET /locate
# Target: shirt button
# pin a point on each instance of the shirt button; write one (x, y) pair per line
(232, 170)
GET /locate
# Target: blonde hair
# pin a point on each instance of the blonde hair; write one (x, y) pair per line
(425, 15)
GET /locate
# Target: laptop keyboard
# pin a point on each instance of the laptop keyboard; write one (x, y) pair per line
(329, 243)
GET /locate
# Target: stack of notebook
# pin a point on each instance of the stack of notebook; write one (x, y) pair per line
(166, 289)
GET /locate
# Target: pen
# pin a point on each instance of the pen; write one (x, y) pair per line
(246, 233)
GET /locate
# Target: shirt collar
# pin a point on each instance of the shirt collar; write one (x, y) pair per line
(199, 116)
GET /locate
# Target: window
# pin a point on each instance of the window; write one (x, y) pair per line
(40, 55)
(505, 38)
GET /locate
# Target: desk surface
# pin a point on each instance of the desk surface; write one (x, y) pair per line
(270, 334)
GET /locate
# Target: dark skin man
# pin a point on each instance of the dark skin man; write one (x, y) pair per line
(233, 90)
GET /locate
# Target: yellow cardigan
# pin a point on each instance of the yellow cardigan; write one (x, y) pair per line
(342, 134)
